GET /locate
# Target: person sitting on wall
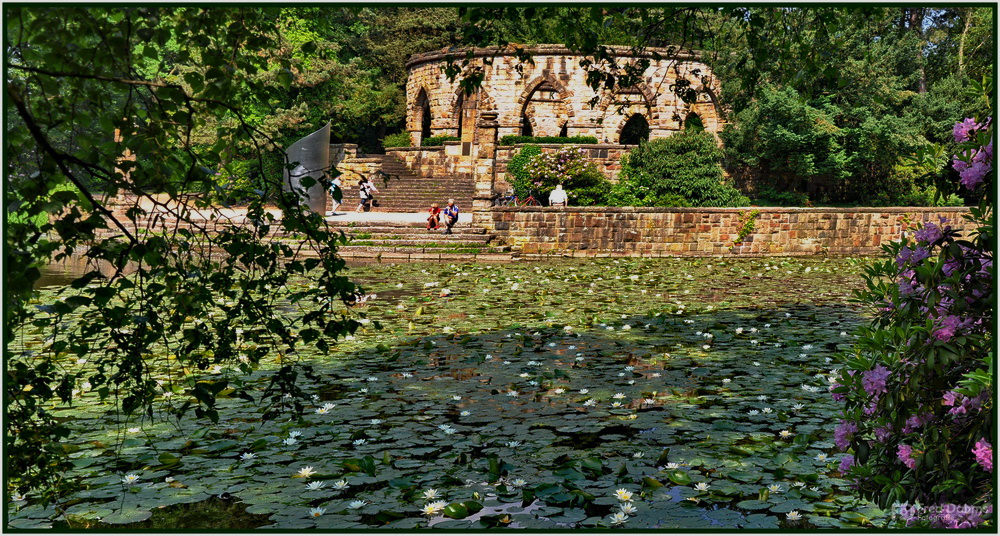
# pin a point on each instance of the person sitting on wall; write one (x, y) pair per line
(451, 215)
(434, 219)
(558, 197)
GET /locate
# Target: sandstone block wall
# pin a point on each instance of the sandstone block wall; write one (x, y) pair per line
(552, 94)
(660, 232)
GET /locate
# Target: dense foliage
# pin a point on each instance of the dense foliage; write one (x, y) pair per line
(918, 388)
(679, 171)
(515, 140)
(570, 166)
(400, 139)
(517, 174)
(76, 78)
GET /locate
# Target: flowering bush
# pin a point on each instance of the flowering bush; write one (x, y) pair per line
(570, 167)
(917, 386)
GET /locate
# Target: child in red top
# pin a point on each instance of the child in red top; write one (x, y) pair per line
(435, 216)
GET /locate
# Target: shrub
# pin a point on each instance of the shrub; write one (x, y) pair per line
(437, 141)
(518, 178)
(918, 419)
(514, 140)
(399, 139)
(584, 183)
(682, 170)
(768, 195)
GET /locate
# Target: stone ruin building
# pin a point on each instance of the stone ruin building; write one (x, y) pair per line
(549, 97)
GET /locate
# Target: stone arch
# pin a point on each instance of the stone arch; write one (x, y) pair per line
(643, 89)
(529, 88)
(458, 102)
(546, 115)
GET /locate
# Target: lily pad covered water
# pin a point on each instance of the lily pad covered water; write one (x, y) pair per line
(666, 393)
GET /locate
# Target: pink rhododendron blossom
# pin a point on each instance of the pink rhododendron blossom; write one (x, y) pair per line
(846, 463)
(972, 176)
(905, 455)
(843, 433)
(874, 380)
(984, 454)
(964, 130)
(949, 325)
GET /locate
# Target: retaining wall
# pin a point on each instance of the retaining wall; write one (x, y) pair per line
(662, 232)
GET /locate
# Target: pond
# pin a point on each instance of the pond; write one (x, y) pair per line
(667, 393)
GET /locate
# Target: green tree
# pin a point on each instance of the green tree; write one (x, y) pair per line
(75, 77)
(682, 170)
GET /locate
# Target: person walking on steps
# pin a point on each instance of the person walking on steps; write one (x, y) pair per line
(335, 186)
(450, 215)
(363, 194)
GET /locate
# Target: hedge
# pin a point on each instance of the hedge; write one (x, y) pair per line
(514, 140)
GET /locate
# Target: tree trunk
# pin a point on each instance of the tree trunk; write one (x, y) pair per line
(967, 14)
(917, 26)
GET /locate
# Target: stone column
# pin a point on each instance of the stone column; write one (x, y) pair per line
(484, 162)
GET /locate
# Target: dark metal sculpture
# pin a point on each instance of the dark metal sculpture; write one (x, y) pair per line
(311, 158)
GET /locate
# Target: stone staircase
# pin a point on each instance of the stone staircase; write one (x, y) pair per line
(412, 241)
(409, 192)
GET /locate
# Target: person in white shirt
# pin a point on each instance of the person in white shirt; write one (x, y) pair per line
(558, 197)
(335, 185)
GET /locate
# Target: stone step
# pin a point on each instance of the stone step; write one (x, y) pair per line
(440, 240)
(470, 248)
(412, 256)
(397, 231)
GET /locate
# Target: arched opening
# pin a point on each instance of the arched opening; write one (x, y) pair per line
(636, 130)
(461, 113)
(544, 112)
(425, 115)
(693, 122)
(564, 131)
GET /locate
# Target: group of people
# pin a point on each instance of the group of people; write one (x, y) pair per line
(450, 213)
(366, 191)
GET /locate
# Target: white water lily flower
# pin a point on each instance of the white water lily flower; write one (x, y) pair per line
(247, 456)
(672, 465)
(701, 486)
(465, 413)
(290, 441)
(623, 495)
(739, 331)
(618, 395)
(767, 410)
(430, 494)
(807, 347)
(627, 508)
(361, 441)
(524, 375)
(433, 508)
(518, 483)
(637, 454)
(322, 411)
(727, 380)
(616, 404)
(340, 485)
(134, 430)
(793, 516)
(618, 518)
(626, 327)
(775, 488)
(590, 402)
(798, 407)
(513, 393)
(785, 434)
(358, 504)
(513, 444)
(756, 363)
(17, 497)
(313, 486)
(130, 479)
(317, 511)
(375, 422)
(294, 433)
(559, 391)
(821, 457)
(169, 479)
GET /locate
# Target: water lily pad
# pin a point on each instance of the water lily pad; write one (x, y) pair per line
(127, 515)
